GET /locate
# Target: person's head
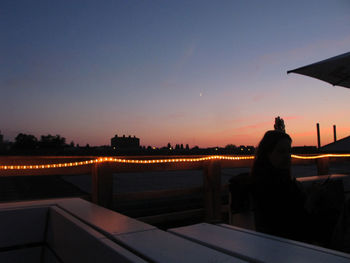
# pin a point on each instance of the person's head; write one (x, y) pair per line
(274, 150)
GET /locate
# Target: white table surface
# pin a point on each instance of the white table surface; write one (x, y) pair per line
(257, 246)
(161, 246)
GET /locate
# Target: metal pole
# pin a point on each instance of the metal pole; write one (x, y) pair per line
(318, 135)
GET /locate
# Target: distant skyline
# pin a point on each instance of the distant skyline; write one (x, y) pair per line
(206, 73)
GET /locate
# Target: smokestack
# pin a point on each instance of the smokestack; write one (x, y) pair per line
(318, 135)
(335, 133)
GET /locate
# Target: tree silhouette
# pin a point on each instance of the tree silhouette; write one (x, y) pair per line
(230, 146)
(25, 141)
(49, 142)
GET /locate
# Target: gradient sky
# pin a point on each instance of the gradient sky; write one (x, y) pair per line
(206, 73)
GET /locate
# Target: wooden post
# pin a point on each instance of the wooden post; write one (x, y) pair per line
(212, 190)
(102, 185)
(322, 166)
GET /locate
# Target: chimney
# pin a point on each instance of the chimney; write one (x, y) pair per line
(318, 135)
(335, 133)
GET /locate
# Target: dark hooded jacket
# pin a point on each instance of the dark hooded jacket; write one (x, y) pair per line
(278, 202)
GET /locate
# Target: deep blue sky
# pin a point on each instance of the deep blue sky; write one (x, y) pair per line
(205, 73)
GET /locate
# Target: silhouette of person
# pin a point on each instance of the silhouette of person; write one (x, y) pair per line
(278, 199)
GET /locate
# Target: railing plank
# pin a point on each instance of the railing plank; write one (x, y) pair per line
(78, 170)
(136, 196)
(103, 180)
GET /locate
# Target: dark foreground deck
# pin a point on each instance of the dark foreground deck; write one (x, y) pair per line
(74, 230)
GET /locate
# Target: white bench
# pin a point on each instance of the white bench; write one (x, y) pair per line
(22, 234)
(73, 241)
(74, 230)
(150, 243)
(257, 247)
(49, 234)
(161, 246)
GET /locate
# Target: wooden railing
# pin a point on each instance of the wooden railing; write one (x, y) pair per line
(102, 170)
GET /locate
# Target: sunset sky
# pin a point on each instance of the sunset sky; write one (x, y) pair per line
(206, 73)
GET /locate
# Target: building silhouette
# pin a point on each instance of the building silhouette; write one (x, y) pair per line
(124, 142)
(342, 145)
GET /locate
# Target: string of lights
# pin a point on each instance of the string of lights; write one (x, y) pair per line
(333, 155)
(155, 161)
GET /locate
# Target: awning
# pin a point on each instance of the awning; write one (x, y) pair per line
(335, 70)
